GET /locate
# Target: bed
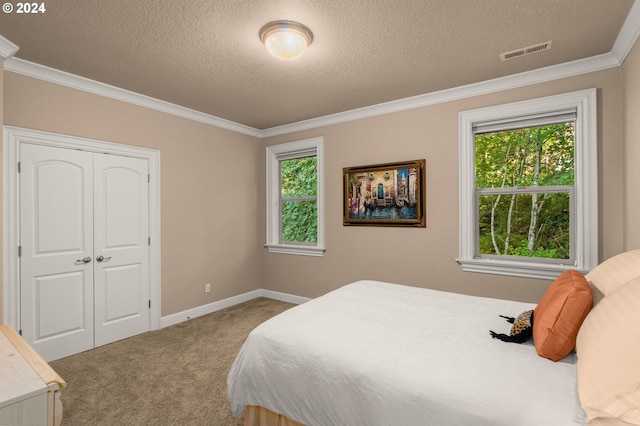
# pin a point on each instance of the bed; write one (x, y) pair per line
(376, 353)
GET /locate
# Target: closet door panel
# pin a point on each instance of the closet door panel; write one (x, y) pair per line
(121, 247)
(56, 238)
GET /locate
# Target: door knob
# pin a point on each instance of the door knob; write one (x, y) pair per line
(85, 260)
(101, 258)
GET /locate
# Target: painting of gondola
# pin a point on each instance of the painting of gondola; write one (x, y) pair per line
(389, 194)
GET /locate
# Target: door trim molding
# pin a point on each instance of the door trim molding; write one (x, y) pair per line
(13, 137)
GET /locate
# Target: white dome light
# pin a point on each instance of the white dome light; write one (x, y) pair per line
(286, 39)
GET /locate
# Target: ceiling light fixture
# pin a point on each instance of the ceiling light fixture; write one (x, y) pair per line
(286, 39)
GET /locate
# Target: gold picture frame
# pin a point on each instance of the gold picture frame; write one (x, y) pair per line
(391, 194)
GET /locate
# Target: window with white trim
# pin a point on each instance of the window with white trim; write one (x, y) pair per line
(528, 187)
(295, 198)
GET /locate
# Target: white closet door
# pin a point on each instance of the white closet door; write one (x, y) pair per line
(84, 267)
(56, 264)
(121, 215)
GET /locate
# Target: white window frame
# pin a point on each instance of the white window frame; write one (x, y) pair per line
(585, 185)
(287, 151)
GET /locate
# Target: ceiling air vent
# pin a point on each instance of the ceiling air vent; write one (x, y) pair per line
(526, 51)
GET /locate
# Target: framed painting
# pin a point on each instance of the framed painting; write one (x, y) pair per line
(391, 194)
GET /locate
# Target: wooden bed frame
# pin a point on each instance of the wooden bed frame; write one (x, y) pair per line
(260, 416)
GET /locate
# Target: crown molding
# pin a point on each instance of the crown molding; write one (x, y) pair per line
(7, 49)
(41, 72)
(624, 42)
(569, 69)
(628, 33)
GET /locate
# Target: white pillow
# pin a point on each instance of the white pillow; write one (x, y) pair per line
(608, 348)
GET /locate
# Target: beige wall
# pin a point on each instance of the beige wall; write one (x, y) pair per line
(212, 200)
(209, 196)
(425, 257)
(1, 227)
(631, 84)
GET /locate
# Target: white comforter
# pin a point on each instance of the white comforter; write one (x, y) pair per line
(373, 353)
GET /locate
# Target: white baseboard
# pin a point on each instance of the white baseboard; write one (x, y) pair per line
(226, 303)
(284, 297)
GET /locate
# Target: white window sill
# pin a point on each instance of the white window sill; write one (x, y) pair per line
(515, 268)
(295, 249)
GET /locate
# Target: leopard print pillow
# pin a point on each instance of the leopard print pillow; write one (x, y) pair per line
(521, 330)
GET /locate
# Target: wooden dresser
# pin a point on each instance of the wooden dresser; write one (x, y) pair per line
(29, 388)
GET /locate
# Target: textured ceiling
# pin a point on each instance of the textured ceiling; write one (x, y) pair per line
(206, 54)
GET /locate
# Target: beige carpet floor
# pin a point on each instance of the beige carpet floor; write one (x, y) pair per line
(173, 376)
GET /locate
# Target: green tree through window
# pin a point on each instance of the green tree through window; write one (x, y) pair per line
(298, 200)
(524, 186)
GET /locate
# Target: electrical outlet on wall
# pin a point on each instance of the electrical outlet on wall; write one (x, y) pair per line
(207, 287)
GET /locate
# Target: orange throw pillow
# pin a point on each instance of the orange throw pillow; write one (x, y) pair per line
(559, 315)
